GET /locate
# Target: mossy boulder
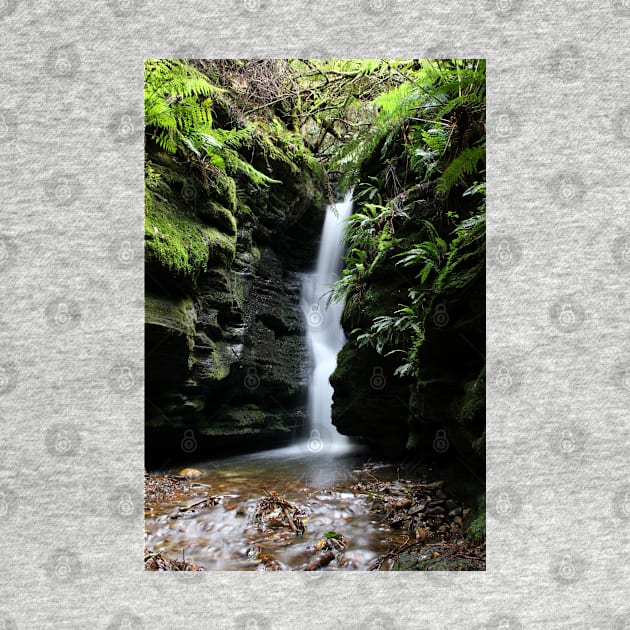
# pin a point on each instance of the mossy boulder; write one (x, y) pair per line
(175, 317)
(220, 216)
(216, 364)
(245, 420)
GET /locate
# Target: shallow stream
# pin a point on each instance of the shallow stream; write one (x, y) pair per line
(224, 536)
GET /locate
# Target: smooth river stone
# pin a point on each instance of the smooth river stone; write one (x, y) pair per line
(190, 473)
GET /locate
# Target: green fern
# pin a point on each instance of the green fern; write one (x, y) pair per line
(464, 164)
(175, 101)
(409, 153)
(395, 109)
(179, 116)
(436, 139)
(431, 254)
(390, 331)
(220, 145)
(434, 93)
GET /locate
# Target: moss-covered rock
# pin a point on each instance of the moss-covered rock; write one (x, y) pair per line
(223, 191)
(180, 243)
(214, 366)
(169, 338)
(220, 216)
(476, 526)
(245, 420)
(176, 317)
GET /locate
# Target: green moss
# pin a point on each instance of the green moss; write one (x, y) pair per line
(171, 239)
(284, 153)
(319, 200)
(223, 189)
(222, 247)
(216, 366)
(179, 241)
(247, 416)
(177, 316)
(346, 364)
(245, 420)
(476, 528)
(261, 141)
(203, 342)
(238, 290)
(220, 216)
(383, 298)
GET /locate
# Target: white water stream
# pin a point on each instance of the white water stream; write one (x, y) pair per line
(325, 336)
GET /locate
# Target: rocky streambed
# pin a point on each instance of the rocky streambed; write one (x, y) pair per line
(284, 510)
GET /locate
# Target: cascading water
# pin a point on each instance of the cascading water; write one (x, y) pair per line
(325, 335)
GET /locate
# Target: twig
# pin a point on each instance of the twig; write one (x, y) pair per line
(293, 527)
(320, 560)
(186, 508)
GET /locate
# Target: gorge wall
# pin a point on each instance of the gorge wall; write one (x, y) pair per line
(436, 405)
(226, 357)
(441, 412)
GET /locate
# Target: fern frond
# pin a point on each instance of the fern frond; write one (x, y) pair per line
(175, 99)
(464, 164)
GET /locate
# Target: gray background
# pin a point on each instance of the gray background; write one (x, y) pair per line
(71, 433)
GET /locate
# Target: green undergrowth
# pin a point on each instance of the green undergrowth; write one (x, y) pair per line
(413, 281)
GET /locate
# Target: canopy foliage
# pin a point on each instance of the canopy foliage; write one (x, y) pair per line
(408, 135)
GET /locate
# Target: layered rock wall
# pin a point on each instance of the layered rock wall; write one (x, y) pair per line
(226, 357)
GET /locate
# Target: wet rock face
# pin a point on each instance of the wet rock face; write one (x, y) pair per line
(450, 391)
(441, 412)
(170, 328)
(226, 356)
(438, 408)
(368, 401)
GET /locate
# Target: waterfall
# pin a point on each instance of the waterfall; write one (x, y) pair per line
(325, 336)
